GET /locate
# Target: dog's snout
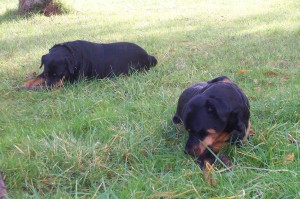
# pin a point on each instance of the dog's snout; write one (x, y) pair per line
(192, 151)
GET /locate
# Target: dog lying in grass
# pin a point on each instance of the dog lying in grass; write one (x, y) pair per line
(72, 60)
(213, 113)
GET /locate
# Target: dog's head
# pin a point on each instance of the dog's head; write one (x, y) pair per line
(56, 68)
(212, 118)
(204, 118)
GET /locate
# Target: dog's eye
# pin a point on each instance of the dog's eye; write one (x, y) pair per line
(210, 108)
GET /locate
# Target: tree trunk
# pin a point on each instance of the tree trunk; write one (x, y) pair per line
(3, 193)
(32, 5)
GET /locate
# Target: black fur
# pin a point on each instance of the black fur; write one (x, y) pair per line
(75, 59)
(218, 104)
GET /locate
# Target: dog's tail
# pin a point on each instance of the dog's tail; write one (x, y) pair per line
(152, 60)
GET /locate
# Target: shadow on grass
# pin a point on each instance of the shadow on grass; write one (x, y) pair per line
(209, 46)
(15, 15)
(11, 15)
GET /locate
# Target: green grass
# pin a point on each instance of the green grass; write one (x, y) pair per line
(114, 138)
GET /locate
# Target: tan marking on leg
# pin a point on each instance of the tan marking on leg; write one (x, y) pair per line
(34, 82)
(60, 82)
(247, 132)
(251, 132)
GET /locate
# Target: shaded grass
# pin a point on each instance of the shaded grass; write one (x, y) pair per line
(114, 138)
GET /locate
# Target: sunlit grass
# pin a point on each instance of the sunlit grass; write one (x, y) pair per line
(114, 138)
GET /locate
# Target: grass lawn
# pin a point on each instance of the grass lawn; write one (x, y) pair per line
(114, 138)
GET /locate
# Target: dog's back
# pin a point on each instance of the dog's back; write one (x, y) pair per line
(104, 60)
(199, 88)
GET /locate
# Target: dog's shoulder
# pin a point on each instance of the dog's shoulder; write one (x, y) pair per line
(226, 90)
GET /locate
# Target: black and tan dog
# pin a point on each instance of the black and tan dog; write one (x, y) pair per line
(213, 113)
(71, 60)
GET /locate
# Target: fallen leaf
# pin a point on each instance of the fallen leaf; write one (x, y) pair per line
(289, 158)
(270, 74)
(241, 72)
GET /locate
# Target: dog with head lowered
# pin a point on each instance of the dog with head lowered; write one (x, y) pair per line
(213, 113)
(71, 60)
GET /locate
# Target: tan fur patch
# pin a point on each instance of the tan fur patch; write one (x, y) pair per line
(247, 131)
(39, 83)
(60, 82)
(215, 141)
(34, 82)
(220, 141)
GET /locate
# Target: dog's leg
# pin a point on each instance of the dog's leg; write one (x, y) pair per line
(247, 132)
(34, 82)
(37, 83)
(218, 141)
(59, 83)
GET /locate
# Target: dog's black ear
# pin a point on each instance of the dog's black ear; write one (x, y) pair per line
(186, 116)
(42, 60)
(239, 123)
(70, 65)
(237, 135)
(222, 109)
(176, 119)
(238, 132)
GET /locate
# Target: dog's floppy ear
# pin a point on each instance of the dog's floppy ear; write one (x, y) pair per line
(239, 129)
(176, 119)
(43, 60)
(222, 109)
(70, 65)
(186, 115)
(240, 123)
